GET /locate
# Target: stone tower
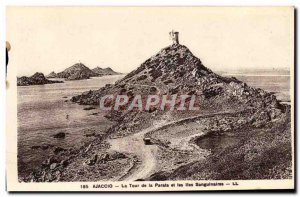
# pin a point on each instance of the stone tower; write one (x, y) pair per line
(174, 37)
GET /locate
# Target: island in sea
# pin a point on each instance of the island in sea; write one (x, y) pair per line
(80, 71)
(36, 79)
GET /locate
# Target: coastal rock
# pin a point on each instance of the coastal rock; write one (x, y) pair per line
(42, 147)
(117, 155)
(58, 150)
(60, 135)
(49, 161)
(92, 135)
(89, 108)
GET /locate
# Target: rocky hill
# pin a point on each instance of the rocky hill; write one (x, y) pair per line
(105, 71)
(36, 79)
(52, 75)
(240, 118)
(77, 72)
(175, 70)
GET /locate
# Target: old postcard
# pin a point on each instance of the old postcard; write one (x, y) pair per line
(150, 98)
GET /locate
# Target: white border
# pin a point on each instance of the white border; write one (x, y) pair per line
(4, 3)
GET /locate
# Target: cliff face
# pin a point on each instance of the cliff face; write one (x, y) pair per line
(36, 79)
(105, 71)
(76, 72)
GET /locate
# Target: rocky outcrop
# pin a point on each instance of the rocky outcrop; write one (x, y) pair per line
(105, 71)
(42, 147)
(68, 164)
(60, 135)
(77, 72)
(36, 79)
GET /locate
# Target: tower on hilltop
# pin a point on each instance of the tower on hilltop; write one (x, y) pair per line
(174, 37)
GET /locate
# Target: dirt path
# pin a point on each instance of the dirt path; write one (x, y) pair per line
(134, 144)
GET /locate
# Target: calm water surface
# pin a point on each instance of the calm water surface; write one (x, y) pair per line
(45, 110)
(279, 84)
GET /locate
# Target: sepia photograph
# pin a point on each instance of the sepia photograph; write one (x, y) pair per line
(149, 98)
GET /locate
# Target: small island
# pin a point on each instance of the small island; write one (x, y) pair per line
(80, 71)
(52, 75)
(76, 72)
(105, 71)
(36, 79)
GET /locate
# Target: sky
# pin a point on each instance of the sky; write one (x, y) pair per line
(46, 39)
